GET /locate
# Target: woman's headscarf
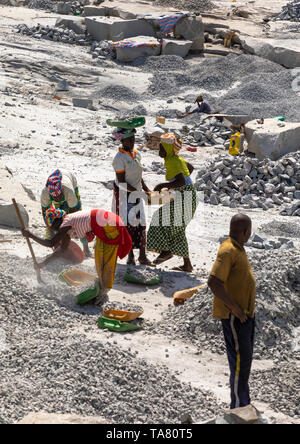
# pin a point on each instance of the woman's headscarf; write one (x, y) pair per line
(122, 133)
(54, 183)
(174, 164)
(51, 214)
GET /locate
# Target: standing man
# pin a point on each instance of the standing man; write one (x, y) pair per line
(232, 282)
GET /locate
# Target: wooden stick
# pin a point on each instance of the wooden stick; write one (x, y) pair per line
(38, 272)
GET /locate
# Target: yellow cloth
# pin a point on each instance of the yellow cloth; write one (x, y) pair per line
(106, 258)
(174, 164)
(234, 270)
(234, 145)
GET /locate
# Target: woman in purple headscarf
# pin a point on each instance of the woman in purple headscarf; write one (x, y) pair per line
(61, 192)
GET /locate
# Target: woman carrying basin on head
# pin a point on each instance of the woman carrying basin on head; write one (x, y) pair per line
(129, 187)
(166, 234)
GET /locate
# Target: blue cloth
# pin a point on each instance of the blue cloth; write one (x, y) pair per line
(202, 108)
(188, 180)
(239, 339)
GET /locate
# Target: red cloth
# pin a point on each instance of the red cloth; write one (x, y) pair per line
(100, 218)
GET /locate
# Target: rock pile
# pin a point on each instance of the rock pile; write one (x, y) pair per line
(122, 306)
(143, 273)
(56, 34)
(41, 4)
(248, 182)
(188, 5)
(261, 243)
(205, 131)
(102, 50)
(290, 12)
(277, 310)
(282, 398)
(48, 365)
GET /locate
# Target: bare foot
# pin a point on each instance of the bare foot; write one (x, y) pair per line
(145, 261)
(131, 260)
(186, 268)
(164, 256)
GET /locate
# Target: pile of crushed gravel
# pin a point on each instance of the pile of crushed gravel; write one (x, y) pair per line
(46, 364)
(165, 63)
(188, 5)
(277, 310)
(41, 4)
(241, 84)
(284, 394)
(53, 33)
(287, 229)
(119, 93)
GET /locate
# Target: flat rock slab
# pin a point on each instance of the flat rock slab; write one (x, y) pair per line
(176, 47)
(74, 23)
(286, 52)
(53, 418)
(242, 415)
(145, 47)
(191, 28)
(108, 11)
(273, 138)
(116, 29)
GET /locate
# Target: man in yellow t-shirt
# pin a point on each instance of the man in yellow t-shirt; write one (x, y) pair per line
(233, 285)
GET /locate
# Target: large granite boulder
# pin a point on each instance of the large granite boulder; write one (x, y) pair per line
(273, 138)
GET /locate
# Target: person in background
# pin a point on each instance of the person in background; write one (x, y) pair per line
(129, 173)
(169, 238)
(61, 192)
(241, 130)
(202, 107)
(112, 239)
(233, 284)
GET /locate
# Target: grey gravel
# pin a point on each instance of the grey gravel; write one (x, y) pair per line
(277, 312)
(47, 365)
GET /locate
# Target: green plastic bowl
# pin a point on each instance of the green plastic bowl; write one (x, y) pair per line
(135, 122)
(133, 280)
(88, 295)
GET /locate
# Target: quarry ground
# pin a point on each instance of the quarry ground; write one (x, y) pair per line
(38, 135)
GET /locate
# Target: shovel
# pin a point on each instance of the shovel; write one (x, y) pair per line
(37, 270)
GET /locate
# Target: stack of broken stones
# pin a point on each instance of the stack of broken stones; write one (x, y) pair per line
(206, 132)
(234, 181)
(56, 34)
(290, 12)
(102, 50)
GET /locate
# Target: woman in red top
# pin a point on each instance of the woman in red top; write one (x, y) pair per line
(112, 238)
